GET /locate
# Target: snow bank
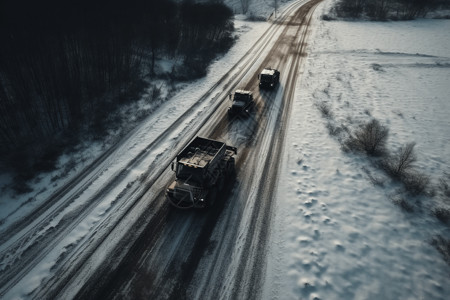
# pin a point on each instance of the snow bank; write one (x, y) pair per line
(337, 236)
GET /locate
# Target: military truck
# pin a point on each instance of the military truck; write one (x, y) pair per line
(202, 169)
(242, 101)
(269, 78)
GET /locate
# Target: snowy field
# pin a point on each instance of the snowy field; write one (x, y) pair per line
(337, 236)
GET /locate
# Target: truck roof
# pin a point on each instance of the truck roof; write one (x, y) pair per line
(268, 71)
(244, 92)
(200, 152)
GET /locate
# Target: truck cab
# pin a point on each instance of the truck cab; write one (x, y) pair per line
(242, 101)
(269, 78)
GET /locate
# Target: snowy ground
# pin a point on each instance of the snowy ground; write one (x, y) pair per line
(337, 236)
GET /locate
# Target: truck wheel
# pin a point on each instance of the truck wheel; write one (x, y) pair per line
(221, 183)
(231, 170)
(212, 196)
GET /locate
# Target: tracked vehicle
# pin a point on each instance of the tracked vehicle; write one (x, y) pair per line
(202, 169)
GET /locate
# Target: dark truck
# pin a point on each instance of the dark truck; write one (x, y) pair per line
(242, 101)
(202, 168)
(269, 78)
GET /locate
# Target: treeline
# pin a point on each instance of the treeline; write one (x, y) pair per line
(66, 64)
(381, 10)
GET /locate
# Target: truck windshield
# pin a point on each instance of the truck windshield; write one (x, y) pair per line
(240, 97)
(266, 78)
(190, 174)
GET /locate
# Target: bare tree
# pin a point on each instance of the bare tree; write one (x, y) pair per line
(275, 5)
(377, 9)
(245, 4)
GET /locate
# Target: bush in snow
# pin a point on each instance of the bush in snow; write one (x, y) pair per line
(402, 161)
(443, 214)
(400, 166)
(443, 246)
(325, 109)
(416, 183)
(370, 138)
(400, 201)
(444, 187)
(334, 130)
(327, 17)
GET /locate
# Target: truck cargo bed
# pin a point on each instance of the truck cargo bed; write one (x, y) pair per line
(200, 152)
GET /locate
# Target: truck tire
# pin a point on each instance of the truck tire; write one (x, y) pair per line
(231, 169)
(212, 197)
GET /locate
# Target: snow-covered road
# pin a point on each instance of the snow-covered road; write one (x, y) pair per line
(220, 253)
(302, 221)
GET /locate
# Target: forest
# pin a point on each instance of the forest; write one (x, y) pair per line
(383, 10)
(66, 65)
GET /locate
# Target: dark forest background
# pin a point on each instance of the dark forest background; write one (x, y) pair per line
(383, 10)
(66, 65)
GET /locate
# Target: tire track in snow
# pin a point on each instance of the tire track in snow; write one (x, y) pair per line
(111, 288)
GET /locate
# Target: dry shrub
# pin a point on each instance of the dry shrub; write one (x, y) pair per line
(443, 246)
(443, 214)
(400, 201)
(370, 138)
(325, 109)
(326, 17)
(398, 164)
(415, 183)
(334, 130)
(444, 187)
